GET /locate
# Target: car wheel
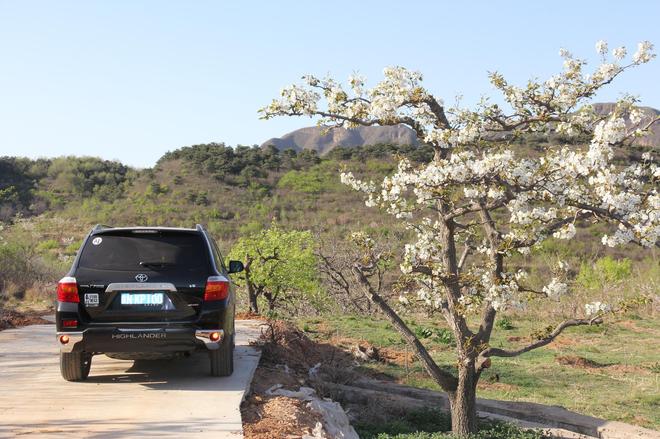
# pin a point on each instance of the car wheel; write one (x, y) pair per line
(75, 366)
(222, 359)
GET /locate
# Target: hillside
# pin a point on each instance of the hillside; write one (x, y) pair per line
(233, 191)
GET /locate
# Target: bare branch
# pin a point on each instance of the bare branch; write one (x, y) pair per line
(464, 255)
(446, 380)
(496, 352)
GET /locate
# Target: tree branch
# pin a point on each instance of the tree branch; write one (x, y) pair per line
(445, 379)
(496, 352)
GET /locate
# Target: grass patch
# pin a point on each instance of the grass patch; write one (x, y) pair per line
(621, 387)
(429, 424)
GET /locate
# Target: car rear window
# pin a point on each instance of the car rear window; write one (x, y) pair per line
(139, 251)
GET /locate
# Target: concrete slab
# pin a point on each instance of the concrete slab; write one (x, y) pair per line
(174, 398)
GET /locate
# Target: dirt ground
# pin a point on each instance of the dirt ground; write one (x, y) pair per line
(291, 359)
(276, 417)
(14, 319)
(288, 355)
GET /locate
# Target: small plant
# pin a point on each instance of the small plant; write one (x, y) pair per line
(444, 336)
(48, 244)
(505, 324)
(422, 332)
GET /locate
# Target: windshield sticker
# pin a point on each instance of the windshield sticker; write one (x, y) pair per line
(97, 240)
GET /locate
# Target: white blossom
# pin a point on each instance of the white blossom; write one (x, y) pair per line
(595, 308)
(566, 232)
(636, 116)
(644, 52)
(619, 53)
(555, 289)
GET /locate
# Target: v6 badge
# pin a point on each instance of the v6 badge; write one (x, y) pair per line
(91, 299)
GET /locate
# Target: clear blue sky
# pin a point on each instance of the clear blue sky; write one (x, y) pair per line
(130, 80)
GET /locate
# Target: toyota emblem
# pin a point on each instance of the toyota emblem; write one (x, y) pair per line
(141, 277)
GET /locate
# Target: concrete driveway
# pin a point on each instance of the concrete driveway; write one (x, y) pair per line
(174, 398)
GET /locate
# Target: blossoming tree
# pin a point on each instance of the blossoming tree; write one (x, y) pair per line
(479, 201)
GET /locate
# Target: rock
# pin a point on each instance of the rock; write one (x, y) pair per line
(365, 353)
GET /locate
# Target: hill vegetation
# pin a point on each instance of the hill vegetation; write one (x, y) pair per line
(48, 205)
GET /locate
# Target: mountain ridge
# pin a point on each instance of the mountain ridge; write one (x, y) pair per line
(325, 139)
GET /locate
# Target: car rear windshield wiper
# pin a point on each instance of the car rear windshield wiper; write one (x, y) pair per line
(156, 264)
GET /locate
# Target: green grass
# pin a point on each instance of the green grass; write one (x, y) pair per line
(624, 385)
(429, 424)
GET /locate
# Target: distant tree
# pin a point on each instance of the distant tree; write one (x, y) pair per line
(336, 258)
(478, 202)
(279, 264)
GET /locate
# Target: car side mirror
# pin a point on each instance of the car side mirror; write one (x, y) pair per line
(235, 266)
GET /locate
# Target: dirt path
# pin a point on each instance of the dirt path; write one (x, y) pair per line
(161, 398)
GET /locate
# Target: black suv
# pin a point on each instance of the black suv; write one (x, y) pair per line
(144, 293)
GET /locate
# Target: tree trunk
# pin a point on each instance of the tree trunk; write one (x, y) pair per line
(252, 291)
(252, 298)
(271, 299)
(463, 402)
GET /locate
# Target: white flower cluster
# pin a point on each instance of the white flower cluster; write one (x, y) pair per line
(555, 289)
(644, 52)
(349, 179)
(425, 251)
(566, 232)
(595, 308)
(601, 47)
(362, 239)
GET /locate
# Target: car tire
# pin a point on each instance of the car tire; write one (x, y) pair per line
(75, 366)
(222, 359)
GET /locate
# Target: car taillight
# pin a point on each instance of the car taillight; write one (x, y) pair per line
(217, 288)
(69, 323)
(67, 290)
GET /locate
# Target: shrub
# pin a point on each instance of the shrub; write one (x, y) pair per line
(614, 270)
(444, 336)
(505, 323)
(604, 271)
(48, 244)
(309, 182)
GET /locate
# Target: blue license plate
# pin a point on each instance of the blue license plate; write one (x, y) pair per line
(142, 298)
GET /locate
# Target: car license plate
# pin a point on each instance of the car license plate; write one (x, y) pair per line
(142, 298)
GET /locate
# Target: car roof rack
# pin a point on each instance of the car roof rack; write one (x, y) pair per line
(101, 227)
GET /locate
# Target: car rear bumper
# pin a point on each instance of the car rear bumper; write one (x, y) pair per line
(118, 339)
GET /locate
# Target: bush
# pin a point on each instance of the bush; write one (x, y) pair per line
(48, 244)
(309, 182)
(20, 265)
(604, 271)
